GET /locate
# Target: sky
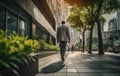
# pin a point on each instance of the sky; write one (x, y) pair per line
(108, 17)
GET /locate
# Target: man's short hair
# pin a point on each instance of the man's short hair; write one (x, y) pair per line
(62, 22)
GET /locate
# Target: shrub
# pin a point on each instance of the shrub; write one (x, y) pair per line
(15, 50)
(47, 47)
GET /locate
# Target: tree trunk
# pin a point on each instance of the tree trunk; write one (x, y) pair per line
(101, 52)
(84, 41)
(90, 41)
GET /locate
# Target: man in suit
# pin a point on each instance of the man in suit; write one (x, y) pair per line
(63, 36)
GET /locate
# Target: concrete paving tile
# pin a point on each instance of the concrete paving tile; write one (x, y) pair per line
(105, 70)
(89, 74)
(59, 74)
(86, 70)
(71, 70)
(63, 71)
(48, 71)
(81, 65)
(41, 74)
(72, 74)
(76, 62)
(110, 74)
(117, 70)
(70, 67)
(70, 64)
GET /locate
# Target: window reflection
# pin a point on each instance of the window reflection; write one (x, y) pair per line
(2, 18)
(11, 22)
(22, 25)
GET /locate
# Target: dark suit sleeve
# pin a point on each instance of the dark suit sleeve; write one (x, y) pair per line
(68, 34)
(58, 32)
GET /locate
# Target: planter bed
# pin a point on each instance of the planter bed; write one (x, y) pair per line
(32, 68)
(43, 54)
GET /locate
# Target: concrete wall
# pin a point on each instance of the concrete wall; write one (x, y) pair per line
(31, 8)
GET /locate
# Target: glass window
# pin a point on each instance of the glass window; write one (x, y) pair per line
(11, 22)
(33, 30)
(44, 36)
(22, 27)
(27, 29)
(2, 17)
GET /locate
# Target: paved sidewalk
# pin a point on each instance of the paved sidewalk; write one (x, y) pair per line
(78, 64)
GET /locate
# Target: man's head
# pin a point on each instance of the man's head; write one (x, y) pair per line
(62, 22)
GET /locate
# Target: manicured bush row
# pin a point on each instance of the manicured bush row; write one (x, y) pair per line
(15, 50)
(47, 47)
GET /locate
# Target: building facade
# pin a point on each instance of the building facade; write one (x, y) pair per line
(32, 18)
(118, 19)
(59, 10)
(112, 24)
(113, 33)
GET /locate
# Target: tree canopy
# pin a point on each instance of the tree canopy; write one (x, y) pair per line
(80, 2)
(79, 18)
(96, 9)
(99, 7)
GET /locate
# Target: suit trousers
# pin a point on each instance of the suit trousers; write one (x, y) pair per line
(62, 46)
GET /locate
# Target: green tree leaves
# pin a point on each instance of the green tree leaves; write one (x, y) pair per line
(15, 50)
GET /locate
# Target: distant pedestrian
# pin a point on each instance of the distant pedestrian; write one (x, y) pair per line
(72, 48)
(63, 36)
(68, 48)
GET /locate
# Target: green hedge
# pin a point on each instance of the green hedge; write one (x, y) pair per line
(15, 49)
(47, 47)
